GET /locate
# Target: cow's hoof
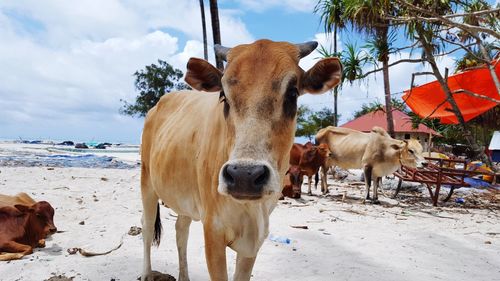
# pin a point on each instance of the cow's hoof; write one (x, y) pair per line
(310, 193)
(41, 243)
(158, 276)
(375, 202)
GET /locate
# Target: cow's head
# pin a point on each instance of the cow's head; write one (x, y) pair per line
(296, 176)
(43, 214)
(35, 223)
(259, 90)
(412, 154)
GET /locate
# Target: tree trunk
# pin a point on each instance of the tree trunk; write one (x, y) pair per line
(335, 112)
(214, 14)
(335, 39)
(335, 90)
(388, 100)
(204, 26)
(490, 66)
(387, 87)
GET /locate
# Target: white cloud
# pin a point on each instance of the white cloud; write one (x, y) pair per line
(305, 6)
(65, 66)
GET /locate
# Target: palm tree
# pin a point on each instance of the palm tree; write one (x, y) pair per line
(370, 17)
(214, 14)
(204, 26)
(332, 17)
(352, 60)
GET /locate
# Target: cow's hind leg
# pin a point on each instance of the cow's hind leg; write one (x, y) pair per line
(14, 251)
(324, 178)
(368, 180)
(244, 268)
(182, 233)
(151, 228)
(376, 184)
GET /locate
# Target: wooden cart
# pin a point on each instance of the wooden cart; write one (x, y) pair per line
(438, 172)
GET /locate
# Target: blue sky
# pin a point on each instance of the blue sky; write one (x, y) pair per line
(65, 65)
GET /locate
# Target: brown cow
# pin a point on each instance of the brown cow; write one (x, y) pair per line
(310, 162)
(376, 153)
(293, 182)
(43, 208)
(22, 228)
(297, 151)
(221, 157)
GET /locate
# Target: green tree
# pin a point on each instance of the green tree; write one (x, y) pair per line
(152, 83)
(331, 13)
(376, 105)
(310, 122)
(370, 17)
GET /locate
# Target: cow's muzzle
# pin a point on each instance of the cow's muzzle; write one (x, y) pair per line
(245, 182)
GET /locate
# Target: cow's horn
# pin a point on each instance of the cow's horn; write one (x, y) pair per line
(306, 48)
(221, 51)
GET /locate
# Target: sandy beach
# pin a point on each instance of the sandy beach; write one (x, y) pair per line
(344, 240)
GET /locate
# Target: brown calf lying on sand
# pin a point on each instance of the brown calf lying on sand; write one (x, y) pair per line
(24, 224)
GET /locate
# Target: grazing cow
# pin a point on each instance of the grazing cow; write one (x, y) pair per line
(42, 207)
(22, 228)
(221, 157)
(376, 153)
(293, 182)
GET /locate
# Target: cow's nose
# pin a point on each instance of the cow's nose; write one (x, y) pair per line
(53, 229)
(425, 164)
(246, 181)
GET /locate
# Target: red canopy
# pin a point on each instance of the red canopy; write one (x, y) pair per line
(424, 99)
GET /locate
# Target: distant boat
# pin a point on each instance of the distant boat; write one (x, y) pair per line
(81, 145)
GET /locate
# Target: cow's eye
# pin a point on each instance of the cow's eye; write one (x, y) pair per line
(292, 92)
(222, 98)
(411, 151)
(290, 101)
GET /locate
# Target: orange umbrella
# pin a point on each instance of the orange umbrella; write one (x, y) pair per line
(423, 100)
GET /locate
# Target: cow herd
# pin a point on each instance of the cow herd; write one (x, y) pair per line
(376, 153)
(221, 153)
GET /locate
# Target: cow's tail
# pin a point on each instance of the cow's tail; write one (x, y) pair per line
(158, 228)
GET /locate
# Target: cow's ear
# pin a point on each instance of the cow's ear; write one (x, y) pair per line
(398, 146)
(323, 76)
(23, 208)
(203, 76)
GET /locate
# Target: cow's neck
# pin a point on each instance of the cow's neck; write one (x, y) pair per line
(249, 226)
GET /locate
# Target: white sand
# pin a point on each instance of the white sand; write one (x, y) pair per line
(345, 241)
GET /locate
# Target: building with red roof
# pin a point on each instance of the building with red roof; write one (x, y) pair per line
(402, 126)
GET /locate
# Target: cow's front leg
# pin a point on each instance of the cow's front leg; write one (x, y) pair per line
(244, 268)
(215, 253)
(368, 180)
(182, 233)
